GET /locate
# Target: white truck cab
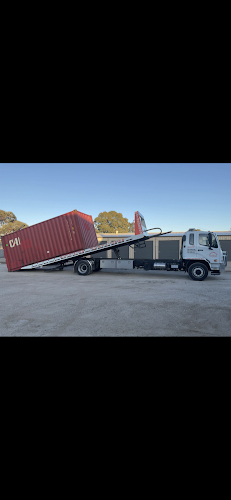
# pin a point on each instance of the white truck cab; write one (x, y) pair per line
(201, 247)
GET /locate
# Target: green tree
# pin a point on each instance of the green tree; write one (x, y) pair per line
(9, 223)
(131, 227)
(110, 222)
(6, 217)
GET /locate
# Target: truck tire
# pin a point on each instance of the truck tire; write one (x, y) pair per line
(83, 268)
(198, 271)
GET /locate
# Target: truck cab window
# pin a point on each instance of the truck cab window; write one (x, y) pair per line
(203, 240)
(191, 239)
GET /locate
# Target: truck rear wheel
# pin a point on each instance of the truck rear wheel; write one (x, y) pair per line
(198, 271)
(83, 268)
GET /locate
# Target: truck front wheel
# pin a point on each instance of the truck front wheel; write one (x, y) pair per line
(198, 271)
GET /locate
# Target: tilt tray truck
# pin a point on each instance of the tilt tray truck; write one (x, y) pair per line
(71, 237)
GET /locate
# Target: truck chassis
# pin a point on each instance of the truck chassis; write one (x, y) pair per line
(198, 271)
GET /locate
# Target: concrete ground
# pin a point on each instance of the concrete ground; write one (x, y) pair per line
(113, 303)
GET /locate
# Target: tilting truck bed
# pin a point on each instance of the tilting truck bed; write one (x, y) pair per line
(140, 236)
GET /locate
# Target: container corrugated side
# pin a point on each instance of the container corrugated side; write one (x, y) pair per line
(61, 235)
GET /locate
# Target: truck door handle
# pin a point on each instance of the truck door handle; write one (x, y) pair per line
(200, 250)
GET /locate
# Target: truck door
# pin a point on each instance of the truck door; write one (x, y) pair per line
(202, 246)
(203, 250)
(189, 245)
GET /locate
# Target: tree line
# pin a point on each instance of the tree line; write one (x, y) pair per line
(110, 222)
(106, 222)
(9, 223)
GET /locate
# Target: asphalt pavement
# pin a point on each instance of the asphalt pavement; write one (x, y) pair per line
(113, 303)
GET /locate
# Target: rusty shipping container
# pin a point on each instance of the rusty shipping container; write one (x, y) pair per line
(62, 235)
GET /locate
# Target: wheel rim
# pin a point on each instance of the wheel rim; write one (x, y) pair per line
(198, 272)
(82, 268)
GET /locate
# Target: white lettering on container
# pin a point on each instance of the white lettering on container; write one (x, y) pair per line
(14, 242)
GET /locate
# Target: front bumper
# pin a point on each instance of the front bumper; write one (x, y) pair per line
(217, 268)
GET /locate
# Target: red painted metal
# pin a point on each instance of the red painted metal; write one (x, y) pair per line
(67, 233)
(138, 227)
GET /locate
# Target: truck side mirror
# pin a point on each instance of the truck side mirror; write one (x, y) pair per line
(210, 240)
(184, 238)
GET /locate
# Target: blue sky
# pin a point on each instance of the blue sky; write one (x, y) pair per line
(173, 196)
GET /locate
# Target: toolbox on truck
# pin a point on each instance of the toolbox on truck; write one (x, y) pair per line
(71, 232)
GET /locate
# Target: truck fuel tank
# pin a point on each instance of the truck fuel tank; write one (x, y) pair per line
(159, 265)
